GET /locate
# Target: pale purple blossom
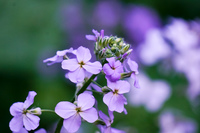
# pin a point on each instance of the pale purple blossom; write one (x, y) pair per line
(96, 35)
(80, 65)
(113, 69)
(108, 121)
(115, 99)
(170, 123)
(72, 113)
(22, 116)
(152, 94)
(133, 66)
(58, 57)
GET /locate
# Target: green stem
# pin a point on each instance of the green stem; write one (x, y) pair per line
(84, 87)
(97, 84)
(48, 110)
(95, 91)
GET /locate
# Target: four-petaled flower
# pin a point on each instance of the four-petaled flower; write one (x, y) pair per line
(25, 117)
(72, 113)
(58, 57)
(113, 69)
(95, 37)
(115, 99)
(79, 66)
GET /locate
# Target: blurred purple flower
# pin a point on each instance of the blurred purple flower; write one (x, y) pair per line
(58, 57)
(152, 93)
(138, 21)
(115, 99)
(72, 113)
(113, 69)
(180, 34)
(22, 116)
(80, 65)
(169, 123)
(154, 47)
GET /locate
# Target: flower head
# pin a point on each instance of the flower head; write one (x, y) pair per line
(58, 57)
(72, 113)
(113, 69)
(115, 99)
(22, 116)
(80, 65)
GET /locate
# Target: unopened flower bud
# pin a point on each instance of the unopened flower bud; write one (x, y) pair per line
(105, 89)
(126, 75)
(125, 48)
(35, 111)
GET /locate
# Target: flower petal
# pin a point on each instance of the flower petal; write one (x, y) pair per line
(52, 60)
(73, 123)
(22, 130)
(85, 101)
(105, 118)
(30, 121)
(111, 61)
(90, 115)
(77, 76)
(132, 65)
(29, 99)
(16, 123)
(65, 109)
(93, 68)
(70, 64)
(41, 130)
(16, 108)
(63, 52)
(107, 69)
(83, 54)
(123, 86)
(90, 37)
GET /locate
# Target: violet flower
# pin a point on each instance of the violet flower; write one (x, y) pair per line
(79, 66)
(96, 35)
(22, 116)
(108, 121)
(58, 57)
(113, 69)
(72, 113)
(115, 99)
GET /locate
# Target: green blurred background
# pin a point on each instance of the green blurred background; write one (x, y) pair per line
(32, 30)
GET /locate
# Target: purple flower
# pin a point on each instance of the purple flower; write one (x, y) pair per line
(113, 69)
(79, 66)
(58, 57)
(115, 99)
(133, 66)
(72, 113)
(25, 117)
(96, 35)
(23, 130)
(108, 121)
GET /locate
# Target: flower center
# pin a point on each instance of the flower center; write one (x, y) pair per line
(78, 109)
(115, 91)
(24, 111)
(81, 64)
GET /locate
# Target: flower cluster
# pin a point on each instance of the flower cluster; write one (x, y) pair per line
(112, 61)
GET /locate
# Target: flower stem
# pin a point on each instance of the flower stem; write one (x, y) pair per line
(97, 84)
(48, 110)
(95, 91)
(84, 87)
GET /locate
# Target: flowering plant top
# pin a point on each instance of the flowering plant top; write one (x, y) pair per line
(112, 60)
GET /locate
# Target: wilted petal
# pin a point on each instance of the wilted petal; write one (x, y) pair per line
(65, 109)
(30, 121)
(16, 123)
(70, 64)
(29, 99)
(111, 115)
(83, 54)
(73, 123)
(114, 130)
(85, 101)
(77, 76)
(90, 115)
(136, 81)
(96, 33)
(52, 60)
(94, 67)
(107, 69)
(16, 108)
(91, 37)
(63, 52)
